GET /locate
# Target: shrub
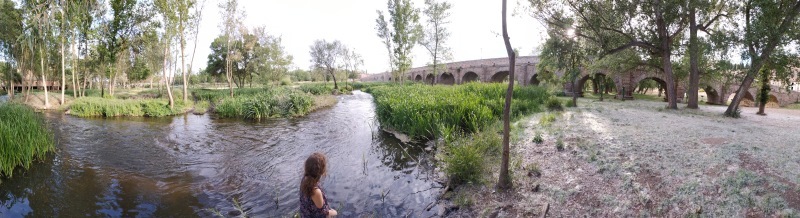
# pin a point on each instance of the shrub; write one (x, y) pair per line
(559, 145)
(570, 103)
(464, 164)
(201, 107)
(317, 88)
(553, 104)
(538, 138)
(24, 138)
(547, 119)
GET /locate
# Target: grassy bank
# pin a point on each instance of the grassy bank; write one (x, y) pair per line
(260, 103)
(421, 110)
(105, 107)
(24, 138)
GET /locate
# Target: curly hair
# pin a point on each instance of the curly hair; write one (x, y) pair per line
(315, 168)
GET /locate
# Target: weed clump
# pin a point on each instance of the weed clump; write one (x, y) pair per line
(553, 104)
(559, 145)
(547, 119)
(570, 104)
(24, 138)
(105, 107)
(538, 138)
(268, 103)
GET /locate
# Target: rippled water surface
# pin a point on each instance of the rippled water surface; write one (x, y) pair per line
(183, 166)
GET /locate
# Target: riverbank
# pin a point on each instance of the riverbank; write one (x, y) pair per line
(635, 158)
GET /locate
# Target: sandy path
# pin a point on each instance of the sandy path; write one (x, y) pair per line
(636, 158)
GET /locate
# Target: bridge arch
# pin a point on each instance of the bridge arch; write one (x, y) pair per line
(418, 78)
(534, 80)
(499, 77)
(430, 78)
(772, 102)
(470, 77)
(747, 101)
(447, 79)
(581, 83)
(712, 96)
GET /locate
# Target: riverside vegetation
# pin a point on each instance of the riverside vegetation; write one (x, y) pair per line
(464, 118)
(23, 136)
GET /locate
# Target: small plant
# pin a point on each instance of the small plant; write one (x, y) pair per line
(464, 164)
(547, 119)
(538, 138)
(734, 114)
(553, 104)
(463, 200)
(559, 145)
(533, 170)
(570, 103)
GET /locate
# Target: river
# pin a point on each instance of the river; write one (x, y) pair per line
(186, 166)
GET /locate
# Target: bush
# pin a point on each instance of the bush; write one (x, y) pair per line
(201, 107)
(417, 110)
(464, 164)
(538, 138)
(553, 104)
(559, 145)
(570, 103)
(547, 119)
(24, 138)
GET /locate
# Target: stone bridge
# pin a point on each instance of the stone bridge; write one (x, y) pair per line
(496, 70)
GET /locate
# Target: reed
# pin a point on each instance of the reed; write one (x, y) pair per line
(268, 103)
(24, 138)
(418, 110)
(104, 107)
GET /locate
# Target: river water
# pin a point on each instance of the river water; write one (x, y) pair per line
(187, 165)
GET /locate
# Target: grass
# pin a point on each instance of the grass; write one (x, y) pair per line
(24, 138)
(106, 107)
(201, 107)
(547, 119)
(417, 110)
(267, 103)
(795, 106)
(465, 157)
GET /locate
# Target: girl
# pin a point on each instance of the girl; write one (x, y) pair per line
(313, 202)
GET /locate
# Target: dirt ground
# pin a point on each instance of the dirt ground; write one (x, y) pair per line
(636, 158)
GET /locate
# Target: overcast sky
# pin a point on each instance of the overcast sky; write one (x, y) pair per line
(475, 28)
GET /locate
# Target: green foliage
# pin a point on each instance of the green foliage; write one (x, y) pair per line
(201, 107)
(109, 107)
(553, 104)
(538, 138)
(267, 103)
(570, 103)
(316, 88)
(559, 145)
(417, 110)
(547, 119)
(400, 34)
(24, 138)
(464, 157)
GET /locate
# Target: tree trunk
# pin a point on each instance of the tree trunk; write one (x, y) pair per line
(63, 75)
(166, 81)
(183, 66)
(694, 52)
(574, 93)
(335, 85)
(504, 182)
(44, 82)
(763, 92)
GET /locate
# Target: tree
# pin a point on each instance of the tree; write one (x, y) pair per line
(768, 24)
(328, 56)
(229, 10)
(10, 48)
(404, 34)
(561, 52)
(702, 14)
(504, 182)
(780, 68)
(167, 9)
(649, 27)
(183, 7)
(435, 33)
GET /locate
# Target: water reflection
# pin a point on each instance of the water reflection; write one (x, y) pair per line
(180, 166)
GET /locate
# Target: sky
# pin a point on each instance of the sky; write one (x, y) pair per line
(475, 27)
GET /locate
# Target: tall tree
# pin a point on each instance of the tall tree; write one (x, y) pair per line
(768, 24)
(562, 52)
(649, 27)
(10, 48)
(435, 34)
(504, 182)
(404, 33)
(386, 37)
(183, 7)
(167, 9)
(328, 56)
(231, 20)
(702, 15)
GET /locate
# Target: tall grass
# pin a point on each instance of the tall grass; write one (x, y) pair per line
(267, 103)
(418, 110)
(24, 138)
(104, 107)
